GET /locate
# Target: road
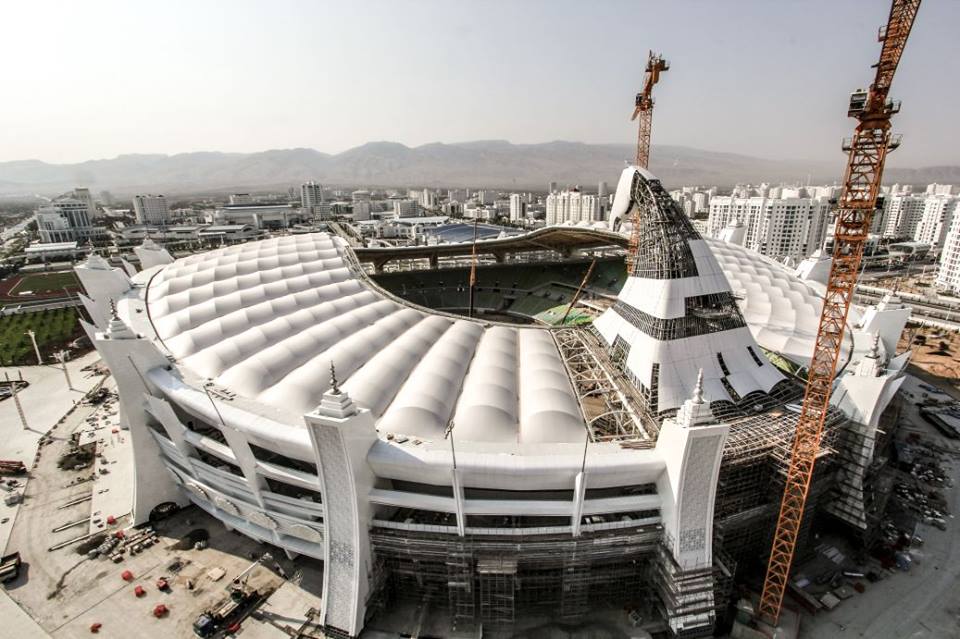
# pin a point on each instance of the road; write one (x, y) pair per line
(8, 233)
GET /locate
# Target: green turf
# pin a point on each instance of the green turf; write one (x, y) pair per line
(54, 328)
(46, 282)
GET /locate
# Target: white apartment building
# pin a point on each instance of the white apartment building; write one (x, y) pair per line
(942, 189)
(311, 197)
(938, 214)
(429, 199)
(572, 206)
(828, 192)
(405, 208)
(518, 207)
(898, 189)
(901, 215)
(779, 228)
(701, 202)
(361, 210)
(948, 275)
(486, 196)
(151, 209)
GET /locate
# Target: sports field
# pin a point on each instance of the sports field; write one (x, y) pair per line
(43, 283)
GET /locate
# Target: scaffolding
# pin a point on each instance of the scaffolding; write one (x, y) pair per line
(613, 408)
(493, 579)
(862, 490)
(755, 461)
(497, 575)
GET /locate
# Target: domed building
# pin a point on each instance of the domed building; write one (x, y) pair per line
(499, 467)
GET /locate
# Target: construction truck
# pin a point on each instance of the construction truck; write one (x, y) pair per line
(228, 612)
(12, 467)
(10, 566)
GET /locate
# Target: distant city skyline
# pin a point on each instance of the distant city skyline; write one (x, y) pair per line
(771, 80)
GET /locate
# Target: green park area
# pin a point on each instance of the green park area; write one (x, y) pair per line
(54, 328)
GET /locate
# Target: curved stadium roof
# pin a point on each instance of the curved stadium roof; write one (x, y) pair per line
(266, 319)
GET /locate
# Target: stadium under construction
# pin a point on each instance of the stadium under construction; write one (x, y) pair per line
(479, 438)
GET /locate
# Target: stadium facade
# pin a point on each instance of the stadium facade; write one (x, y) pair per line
(494, 467)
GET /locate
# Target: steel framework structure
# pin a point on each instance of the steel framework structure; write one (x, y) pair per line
(643, 111)
(867, 151)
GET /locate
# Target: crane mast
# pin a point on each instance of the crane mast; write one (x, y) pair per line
(866, 153)
(643, 112)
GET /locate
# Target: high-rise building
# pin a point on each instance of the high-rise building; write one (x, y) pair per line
(405, 208)
(486, 196)
(948, 275)
(151, 209)
(942, 189)
(572, 206)
(552, 188)
(602, 190)
(429, 199)
(701, 202)
(935, 222)
(311, 197)
(361, 210)
(517, 207)
(776, 227)
(901, 215)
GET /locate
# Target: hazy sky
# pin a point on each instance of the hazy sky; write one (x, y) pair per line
(94, 79)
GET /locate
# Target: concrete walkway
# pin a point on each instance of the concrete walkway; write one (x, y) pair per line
(45, 402)
(16, 622)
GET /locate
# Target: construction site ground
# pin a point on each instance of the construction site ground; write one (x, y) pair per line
(940, 367)
(921, 603)
(61, 593)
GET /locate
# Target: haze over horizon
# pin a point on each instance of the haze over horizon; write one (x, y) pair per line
(769, 80)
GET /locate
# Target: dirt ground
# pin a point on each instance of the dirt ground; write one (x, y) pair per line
(930, 362)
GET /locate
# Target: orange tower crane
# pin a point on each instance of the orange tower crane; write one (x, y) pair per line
(643, 110)
(866, 153)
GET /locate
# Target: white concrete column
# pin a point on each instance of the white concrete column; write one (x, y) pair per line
(246, 461)
(579, 492)
(692, 446)
(458, 498)
(162, 410)
(342, 435)
(129, 358)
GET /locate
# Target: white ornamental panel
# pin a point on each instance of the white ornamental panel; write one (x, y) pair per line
(262, 520)
(226, 505)
(197, 490)
(306, 532)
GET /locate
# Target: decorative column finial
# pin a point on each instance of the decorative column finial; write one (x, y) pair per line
(698, 389)
(334, 386)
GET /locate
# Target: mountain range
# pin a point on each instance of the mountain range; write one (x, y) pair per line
(489, 163)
